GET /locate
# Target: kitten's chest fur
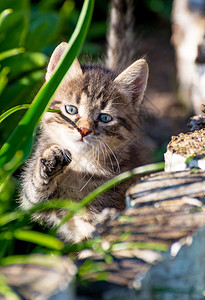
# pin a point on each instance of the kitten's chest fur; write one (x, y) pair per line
(78, 180)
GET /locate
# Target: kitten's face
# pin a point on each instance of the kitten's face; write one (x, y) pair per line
(95, 115)
(98, 109)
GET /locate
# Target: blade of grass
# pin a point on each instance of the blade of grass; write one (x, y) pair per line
(19, 107)
(4, 78)
(5, 290)
(19, 214)
(140, 245)
(21, 138)
(110, 184)
(11, 52)
(12, 110)
(38, 238)
(9, 217)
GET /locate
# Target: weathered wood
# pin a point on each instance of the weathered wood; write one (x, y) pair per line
(41, 277)
(162, 221)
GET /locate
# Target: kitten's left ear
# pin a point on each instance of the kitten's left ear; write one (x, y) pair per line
(134, 79)
(74, 70)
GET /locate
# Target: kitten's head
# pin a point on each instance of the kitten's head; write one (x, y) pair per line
(99, 109)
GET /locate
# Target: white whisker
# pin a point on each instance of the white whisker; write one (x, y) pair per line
(87, 182)
(98, 155)
(118, 165)
(103, 152)
(106, 151)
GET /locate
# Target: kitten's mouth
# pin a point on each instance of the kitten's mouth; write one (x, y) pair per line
(83, 141)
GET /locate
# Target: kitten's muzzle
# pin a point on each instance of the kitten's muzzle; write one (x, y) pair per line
(84, 131)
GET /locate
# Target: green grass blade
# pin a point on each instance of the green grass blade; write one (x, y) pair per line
(3, 78)
(11, 52)
(7, 218)
(17, 108)
(140, 245)
(18, 145)
(6, 291)
(38, 238)
(111, 183)
(120, 178)
(12, 110)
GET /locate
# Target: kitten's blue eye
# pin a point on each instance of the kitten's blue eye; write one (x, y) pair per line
(105, 118)
(72, 110)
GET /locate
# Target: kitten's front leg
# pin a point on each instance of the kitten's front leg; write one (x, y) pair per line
(39, 183)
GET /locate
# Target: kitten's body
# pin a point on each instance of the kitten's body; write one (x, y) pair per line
(77, 152)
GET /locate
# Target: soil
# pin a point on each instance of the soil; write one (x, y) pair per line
(189, 144)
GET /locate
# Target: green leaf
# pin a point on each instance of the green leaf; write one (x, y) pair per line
(7, 190)
(12, 110)
(45, 26)
(38, 238)
(7, 218)
(140, 245)
(13, 29)
(23, 63)
(48, 4)
(20, 107)
(189, 159)
(14, 5)
(3, 15)
(54, 204)
(3, 79)
(20, 91)
(18, 146)
(11, 52)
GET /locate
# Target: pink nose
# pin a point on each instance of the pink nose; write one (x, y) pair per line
(84, 131)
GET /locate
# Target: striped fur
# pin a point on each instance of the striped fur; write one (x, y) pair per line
(76, 153)
(121, 43)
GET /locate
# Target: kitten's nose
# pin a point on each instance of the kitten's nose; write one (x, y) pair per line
(85, 131)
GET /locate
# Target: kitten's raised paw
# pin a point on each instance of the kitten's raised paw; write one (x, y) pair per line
(53, 161)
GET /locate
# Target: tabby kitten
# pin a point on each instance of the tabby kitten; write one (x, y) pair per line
(93, 138)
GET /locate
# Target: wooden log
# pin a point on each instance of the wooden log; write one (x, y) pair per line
(155, 244)
(41, 277)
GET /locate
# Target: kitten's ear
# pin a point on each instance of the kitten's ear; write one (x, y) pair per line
(134, 79)
(74, 70)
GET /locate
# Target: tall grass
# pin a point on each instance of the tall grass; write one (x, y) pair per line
(18, 146)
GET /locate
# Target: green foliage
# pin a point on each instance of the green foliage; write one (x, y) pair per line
(17, 147)
(161, 7)
(28, 34)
